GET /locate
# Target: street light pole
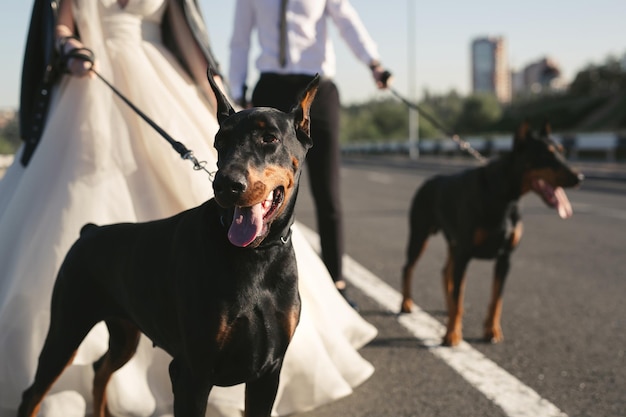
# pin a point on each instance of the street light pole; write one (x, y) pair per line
(413, 114)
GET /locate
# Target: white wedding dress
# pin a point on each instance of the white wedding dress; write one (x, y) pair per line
(99, 162)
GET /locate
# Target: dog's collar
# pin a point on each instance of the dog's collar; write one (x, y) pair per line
(286, 238)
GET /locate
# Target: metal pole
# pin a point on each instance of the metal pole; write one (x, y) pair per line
(413, 114)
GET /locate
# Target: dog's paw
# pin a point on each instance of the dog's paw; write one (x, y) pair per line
(452, 339)
(494, 335)
(407, 306)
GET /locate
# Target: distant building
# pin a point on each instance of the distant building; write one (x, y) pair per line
(540, 76)
(517, 82)
(490, 68)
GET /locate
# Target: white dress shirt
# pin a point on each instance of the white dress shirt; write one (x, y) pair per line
(310, 49)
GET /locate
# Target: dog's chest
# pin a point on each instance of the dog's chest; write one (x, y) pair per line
(495, 233)
(254, 338)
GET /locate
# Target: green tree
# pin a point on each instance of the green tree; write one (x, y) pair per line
(480, 112)
(445, 109)
(374, 121)
(609, 77)
(10, 137)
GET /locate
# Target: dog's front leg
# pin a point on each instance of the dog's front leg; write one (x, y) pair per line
(261, 393)
(493, 329)
(191, 390)
(417, 244)
(454, 282)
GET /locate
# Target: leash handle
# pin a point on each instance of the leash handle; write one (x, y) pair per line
(463, 144)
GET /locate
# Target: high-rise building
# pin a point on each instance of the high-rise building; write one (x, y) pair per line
(490, 68)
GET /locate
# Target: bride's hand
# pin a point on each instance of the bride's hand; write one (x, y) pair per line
(76, 66)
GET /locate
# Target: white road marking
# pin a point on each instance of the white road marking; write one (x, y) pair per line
(506, 391)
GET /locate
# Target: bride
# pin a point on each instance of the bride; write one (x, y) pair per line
(97, 161)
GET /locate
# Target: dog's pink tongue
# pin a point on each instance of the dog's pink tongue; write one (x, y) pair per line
(246, 226)
(563, 205)
(554, 197)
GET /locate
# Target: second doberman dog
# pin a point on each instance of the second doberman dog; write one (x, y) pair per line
(214, 286)
(477, 210)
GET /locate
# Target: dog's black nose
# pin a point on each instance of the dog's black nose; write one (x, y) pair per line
(228, 186)
(573, 179)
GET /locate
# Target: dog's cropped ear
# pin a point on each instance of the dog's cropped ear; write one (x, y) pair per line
(224, 108)
(302, 109)
(521, 135)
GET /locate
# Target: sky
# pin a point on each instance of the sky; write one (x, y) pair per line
(433, 56)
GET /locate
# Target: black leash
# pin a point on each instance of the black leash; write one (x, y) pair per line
(87, 55)
(463, 144)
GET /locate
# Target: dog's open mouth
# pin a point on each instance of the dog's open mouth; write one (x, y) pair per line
(250, 223)
(553, 196)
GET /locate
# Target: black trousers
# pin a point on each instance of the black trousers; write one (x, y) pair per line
(323, 160)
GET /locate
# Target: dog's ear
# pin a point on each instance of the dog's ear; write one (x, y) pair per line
(546, 129)
(521, 135)
(224, 108)
(302, 109)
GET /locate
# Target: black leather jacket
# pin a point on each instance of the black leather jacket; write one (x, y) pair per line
(39, 74)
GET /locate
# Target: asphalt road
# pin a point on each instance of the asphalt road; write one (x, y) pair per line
(564, 318)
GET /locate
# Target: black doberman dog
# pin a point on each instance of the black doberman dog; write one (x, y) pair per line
(477, 210)
(214, 286)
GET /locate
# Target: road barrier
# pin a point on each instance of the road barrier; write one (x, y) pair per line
(604, 146)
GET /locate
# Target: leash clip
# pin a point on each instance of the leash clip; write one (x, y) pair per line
(198, 165)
